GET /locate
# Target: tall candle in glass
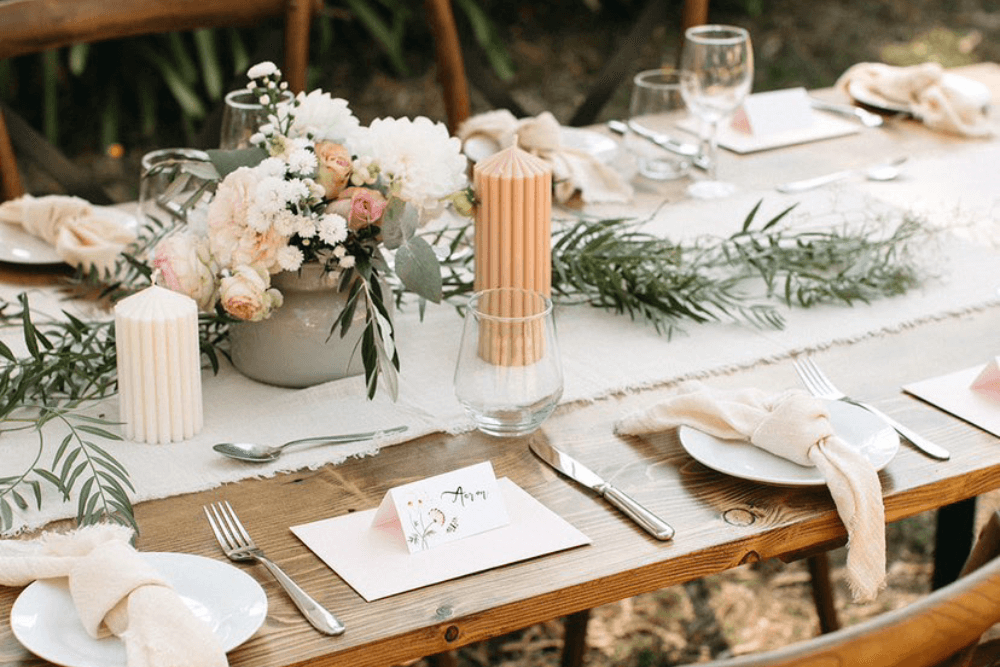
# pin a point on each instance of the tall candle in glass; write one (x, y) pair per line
(513, 249)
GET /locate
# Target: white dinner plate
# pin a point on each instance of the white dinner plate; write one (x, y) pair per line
(857, 427)
(229, 600)
(974, 90)
(599, 145)
(19, 247)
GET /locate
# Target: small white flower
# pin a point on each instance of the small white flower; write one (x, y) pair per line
(271, 167)
(302, 161)
(256, 138)
(295, 191)
(290, 258)
(262, 69)
(251, 85)
(332, 228)
(306, 227)
(263, 100)
(347, 262)
(285, 222)
(269, 195)
(339, 251)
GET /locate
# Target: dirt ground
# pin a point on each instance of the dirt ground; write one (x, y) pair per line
(557, 49)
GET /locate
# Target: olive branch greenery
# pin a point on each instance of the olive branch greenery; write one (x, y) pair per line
(606, 263)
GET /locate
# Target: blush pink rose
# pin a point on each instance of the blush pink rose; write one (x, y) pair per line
(185, 265)
(360, 207)
(334, 169)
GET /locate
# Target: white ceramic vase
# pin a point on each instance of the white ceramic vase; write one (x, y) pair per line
(294, 347)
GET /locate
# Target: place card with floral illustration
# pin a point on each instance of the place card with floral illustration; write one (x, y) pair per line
(374, 561)
(444, 508)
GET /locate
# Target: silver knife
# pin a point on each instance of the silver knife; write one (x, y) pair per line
(578, 472)
(663, 141)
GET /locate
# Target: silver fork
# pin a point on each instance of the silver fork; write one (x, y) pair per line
(239, 546)
(819, 385)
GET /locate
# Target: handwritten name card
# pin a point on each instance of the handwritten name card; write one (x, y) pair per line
(775, 111)
(444, 508)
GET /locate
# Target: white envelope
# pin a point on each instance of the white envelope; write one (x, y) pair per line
(375, 561)
(955, 394)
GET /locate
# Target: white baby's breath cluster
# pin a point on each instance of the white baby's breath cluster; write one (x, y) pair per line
(317, 187)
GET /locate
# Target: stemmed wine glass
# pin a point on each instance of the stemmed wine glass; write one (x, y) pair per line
(716, 76)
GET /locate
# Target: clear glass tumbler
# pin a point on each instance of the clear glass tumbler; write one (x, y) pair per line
(654, 106)
(175, 187)
(509, 375)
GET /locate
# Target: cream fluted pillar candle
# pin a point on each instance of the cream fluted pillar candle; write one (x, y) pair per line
(159, 369)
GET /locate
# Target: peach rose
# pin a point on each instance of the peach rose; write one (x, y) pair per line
(334, 167)
(247, 294)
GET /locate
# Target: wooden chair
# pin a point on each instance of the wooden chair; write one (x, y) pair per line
(32, 26)
(617, 67)
(941, 629)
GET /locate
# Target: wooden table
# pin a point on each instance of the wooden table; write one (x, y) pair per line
(721, 522)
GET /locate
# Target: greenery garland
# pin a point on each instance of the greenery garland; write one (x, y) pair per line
(608, 264)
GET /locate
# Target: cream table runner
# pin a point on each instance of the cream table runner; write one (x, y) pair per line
(603, 353)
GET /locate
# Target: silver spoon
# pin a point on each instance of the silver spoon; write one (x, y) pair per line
(256, 453)
(884, 171)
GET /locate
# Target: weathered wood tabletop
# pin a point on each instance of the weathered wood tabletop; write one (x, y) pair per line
(720, 521)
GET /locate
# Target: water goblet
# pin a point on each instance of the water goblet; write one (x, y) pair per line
(509, 376)
(654, 105)
(716, 76)
(242, 116)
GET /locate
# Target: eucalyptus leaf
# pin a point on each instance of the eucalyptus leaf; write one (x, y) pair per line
(399, 223)
(227, 161)
(418, 269)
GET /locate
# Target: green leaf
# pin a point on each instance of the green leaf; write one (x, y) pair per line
(399, 223)
(211, 73)
(418, 269)
(488, 38)
(6, 515)
(99, 432)
(226, 161)
(78, 58)
(182, 92)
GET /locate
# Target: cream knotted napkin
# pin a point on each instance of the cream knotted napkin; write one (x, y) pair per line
(795, 426)
(81, 235)
(923, 87)
(115, 591)
(572, 170)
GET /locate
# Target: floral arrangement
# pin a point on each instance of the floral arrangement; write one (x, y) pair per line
(318, 187)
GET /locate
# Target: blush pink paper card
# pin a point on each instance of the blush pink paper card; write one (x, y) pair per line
(972, 394)
(374, 559)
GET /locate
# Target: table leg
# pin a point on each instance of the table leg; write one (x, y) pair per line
(953, 539)
(822, 592)
(575, 638)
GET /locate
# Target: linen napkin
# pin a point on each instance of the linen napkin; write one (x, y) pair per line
(573, 170)
(927, 91)
(116, 592)
(794, 426)
(81, 235)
